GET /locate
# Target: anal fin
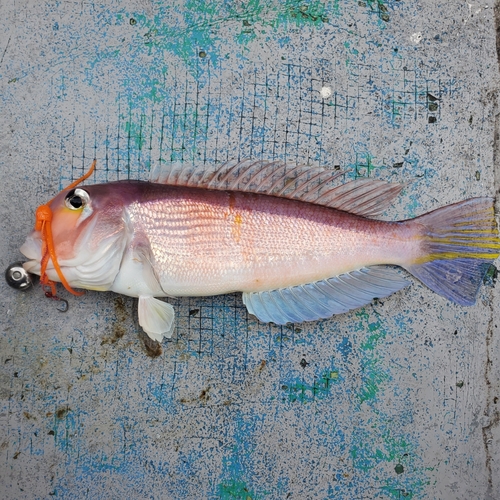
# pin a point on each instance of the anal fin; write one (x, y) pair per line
(156, 317)
(324, 298)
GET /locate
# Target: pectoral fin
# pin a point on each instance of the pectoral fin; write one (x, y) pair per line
(156, 317)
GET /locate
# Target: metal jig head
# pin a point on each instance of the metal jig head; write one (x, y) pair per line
(17, 277)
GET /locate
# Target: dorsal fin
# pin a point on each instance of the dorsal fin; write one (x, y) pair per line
(366, 197)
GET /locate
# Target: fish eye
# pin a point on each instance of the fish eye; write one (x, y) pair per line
(77, 199)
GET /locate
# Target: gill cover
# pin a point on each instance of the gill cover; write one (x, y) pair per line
(75, 201)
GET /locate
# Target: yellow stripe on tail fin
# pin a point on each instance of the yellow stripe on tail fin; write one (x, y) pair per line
(459, 242)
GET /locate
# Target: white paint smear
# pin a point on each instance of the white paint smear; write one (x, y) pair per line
(325, 92)
(416, 37)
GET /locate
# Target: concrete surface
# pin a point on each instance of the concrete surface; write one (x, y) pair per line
(395, 400)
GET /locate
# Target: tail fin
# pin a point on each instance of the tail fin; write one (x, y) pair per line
(459, 242)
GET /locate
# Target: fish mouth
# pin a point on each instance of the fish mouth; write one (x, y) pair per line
(94, 269)
(32, 267)
(32, 249)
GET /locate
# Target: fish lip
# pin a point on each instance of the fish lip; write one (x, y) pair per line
(32, 267)
(32, 247)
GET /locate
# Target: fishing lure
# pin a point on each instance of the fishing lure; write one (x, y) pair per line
(297, 245)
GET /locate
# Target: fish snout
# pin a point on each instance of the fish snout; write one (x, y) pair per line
(32, 267)
(32, 247)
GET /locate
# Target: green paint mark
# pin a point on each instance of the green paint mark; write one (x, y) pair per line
(135, 134)
(380, 8)
(367, 454)
(236, 466)
(364, 166)
(197, 26)
(301, 13)
(398, 493)
(236, 490)
(202, 34)
(300, 391)
(184, 127)
(373, 377)
(380, 438)
(491, 276)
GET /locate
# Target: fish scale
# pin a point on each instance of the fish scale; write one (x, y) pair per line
(258, 242)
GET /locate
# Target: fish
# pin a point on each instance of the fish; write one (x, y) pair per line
(296, 242)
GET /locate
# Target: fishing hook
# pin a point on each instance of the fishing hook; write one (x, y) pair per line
(63, 307)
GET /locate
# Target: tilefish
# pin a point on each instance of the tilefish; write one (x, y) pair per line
(297, 243)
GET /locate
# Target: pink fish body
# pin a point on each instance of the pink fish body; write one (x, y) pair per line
(296, 249)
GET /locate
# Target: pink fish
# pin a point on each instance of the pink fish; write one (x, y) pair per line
(297, 246)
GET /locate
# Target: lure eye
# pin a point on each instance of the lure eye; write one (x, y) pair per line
(77, 199)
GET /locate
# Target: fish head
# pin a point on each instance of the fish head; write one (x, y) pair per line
(88, 230)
